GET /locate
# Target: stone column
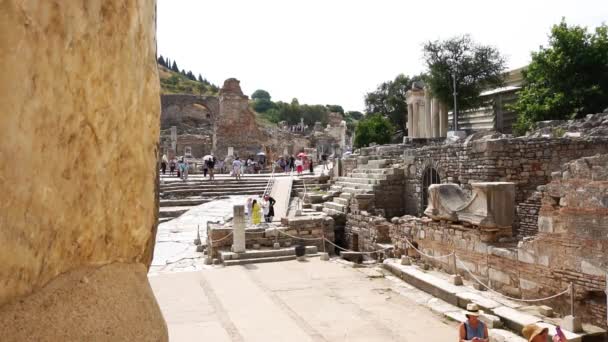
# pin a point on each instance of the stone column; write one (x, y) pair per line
(76, 242)
(238, 234)
(428, 127)
(443, 119)
(435, 117)
(410, 120)
(421, 118)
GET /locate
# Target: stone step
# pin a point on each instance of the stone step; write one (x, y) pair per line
(357, 180)
(172, 211)
(387, 171)
(376, 164)
(332, 212)
(182, 202)
(355, 191)
(347, 196)
(336, 188)
(342, 201)
(165, 219)
(369, 187)
(214, 193)
(335, 206)
(261, 256)
(379, 176)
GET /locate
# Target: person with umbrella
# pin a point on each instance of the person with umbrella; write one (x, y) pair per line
(299, 165)
(209, 161)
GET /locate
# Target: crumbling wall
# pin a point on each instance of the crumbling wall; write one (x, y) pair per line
(79, 134)
(570, 246)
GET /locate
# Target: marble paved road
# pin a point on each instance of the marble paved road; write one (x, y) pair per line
(293, 301)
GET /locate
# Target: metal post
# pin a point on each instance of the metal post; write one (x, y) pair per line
(455, 112)
(572, 299)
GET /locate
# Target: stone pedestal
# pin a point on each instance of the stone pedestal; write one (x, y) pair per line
(456, 280)
(405, 260)
(238, 235)
(325, 256)
(572, 323)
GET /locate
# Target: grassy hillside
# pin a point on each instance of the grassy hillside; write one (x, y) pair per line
(177, 83)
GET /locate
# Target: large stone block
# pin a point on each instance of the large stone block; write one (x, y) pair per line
(79, 94)
(492, 204)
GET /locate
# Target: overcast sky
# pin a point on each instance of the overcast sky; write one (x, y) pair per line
(334, 51)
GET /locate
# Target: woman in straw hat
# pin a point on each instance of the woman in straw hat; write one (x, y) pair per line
(473, 329)
(534, 333)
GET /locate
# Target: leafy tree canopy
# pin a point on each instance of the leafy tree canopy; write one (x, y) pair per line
(174, 67)
(567, 79)
(389, 100)
(354, 115)
(260, 94)
(335, 109)
(476, 68)
(375, 128)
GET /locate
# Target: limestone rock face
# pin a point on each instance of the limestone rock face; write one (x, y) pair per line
(79, 96)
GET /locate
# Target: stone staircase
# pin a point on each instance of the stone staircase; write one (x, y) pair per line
(176, 196)
(362, 181)
(264, 255)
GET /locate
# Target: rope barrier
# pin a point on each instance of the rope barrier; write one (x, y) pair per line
(298, 237)
(512, 298)
(220, 239)
(426, 255)
(348, 250)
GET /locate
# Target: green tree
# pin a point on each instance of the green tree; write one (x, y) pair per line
(191, 76)
(566, 80)
(174, 67)
(260, 94)
(161, 61)
(375, 128)
(335, 109)
(475, 67)
(354, 115)
(261, 101)
(200, 78)
(389, 100)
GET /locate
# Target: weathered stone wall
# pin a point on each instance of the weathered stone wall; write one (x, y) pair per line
(310, 228)
(188, 110)
(526, 162)
(79, 133)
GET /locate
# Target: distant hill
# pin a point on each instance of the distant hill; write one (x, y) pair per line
(172, 82)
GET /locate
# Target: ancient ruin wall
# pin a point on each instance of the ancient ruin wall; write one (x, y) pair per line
(570, 246)
(526, 162)
(78, 136)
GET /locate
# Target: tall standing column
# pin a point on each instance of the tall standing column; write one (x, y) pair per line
(238, 234)
(428, 128)
(443, 119)
(410, 120)
(435, 117)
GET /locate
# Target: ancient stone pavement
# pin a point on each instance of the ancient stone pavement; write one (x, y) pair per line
(295, 301)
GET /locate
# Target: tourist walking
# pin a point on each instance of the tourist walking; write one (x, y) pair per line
(221, 166)
(534, 333)
(183, 169)
(473, 329)
(299, 166)
(236, 168)
(249, 206)
(256, 218)
(268, 208)
(292, 163)
(163, 164)
(205, 169)
(311, 167)
(210, 166)
(172, 166)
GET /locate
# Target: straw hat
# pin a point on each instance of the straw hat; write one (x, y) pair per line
(472, 310)
(530, 331)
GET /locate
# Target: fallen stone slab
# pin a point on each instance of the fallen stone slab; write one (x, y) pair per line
(514, 319)
(500, 335)
(439, 288)
(484, 303)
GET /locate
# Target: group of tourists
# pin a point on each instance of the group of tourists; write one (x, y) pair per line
(180, 167)
(473, 329)
(265, 207)
(297, 164)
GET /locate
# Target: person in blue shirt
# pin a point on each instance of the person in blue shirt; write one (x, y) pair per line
(473, 329)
